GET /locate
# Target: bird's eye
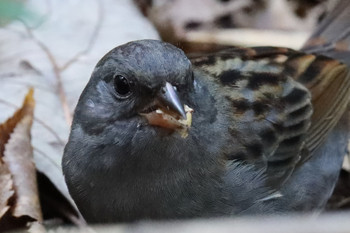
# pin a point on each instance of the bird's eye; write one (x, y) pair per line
(122, 85)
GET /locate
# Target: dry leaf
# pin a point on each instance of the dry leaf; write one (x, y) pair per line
(6, 180)
(6, 188)
(18, 156)
(18, 166)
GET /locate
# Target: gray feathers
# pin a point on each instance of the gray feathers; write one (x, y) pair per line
(235, 158)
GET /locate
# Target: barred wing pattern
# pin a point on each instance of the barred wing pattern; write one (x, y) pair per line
(284, 102)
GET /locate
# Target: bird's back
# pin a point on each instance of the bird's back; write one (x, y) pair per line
(284, 103)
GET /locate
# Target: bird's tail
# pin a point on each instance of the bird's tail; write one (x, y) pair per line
(332, 36)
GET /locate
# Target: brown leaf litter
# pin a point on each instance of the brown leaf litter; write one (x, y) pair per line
(19, 200)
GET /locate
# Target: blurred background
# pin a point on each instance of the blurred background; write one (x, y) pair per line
(280, 22)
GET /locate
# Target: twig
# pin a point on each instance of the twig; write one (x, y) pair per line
(58, 69)
(92, 40)
(342, 203)
(57, 73)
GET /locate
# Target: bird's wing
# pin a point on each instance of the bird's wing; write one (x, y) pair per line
(332, 36)
(284, 102)
(329, 85)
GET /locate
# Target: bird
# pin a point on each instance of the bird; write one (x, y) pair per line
(243, 131)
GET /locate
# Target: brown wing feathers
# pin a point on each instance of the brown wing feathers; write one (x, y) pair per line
(279, 112)
(268, 105)
(329, 83)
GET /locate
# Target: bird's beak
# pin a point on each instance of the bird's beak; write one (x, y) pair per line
(169, 99)
(167, 111)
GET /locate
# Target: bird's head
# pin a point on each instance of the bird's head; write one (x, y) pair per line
(144, 81)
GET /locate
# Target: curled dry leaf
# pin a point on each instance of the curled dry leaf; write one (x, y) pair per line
(6, 181)
(18, 166)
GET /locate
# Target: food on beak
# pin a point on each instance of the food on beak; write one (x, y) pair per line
(168, 112)
(165, 120)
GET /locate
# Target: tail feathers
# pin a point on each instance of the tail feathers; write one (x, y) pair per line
(332, 36)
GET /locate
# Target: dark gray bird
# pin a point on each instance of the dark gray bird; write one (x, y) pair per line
(242, 131)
